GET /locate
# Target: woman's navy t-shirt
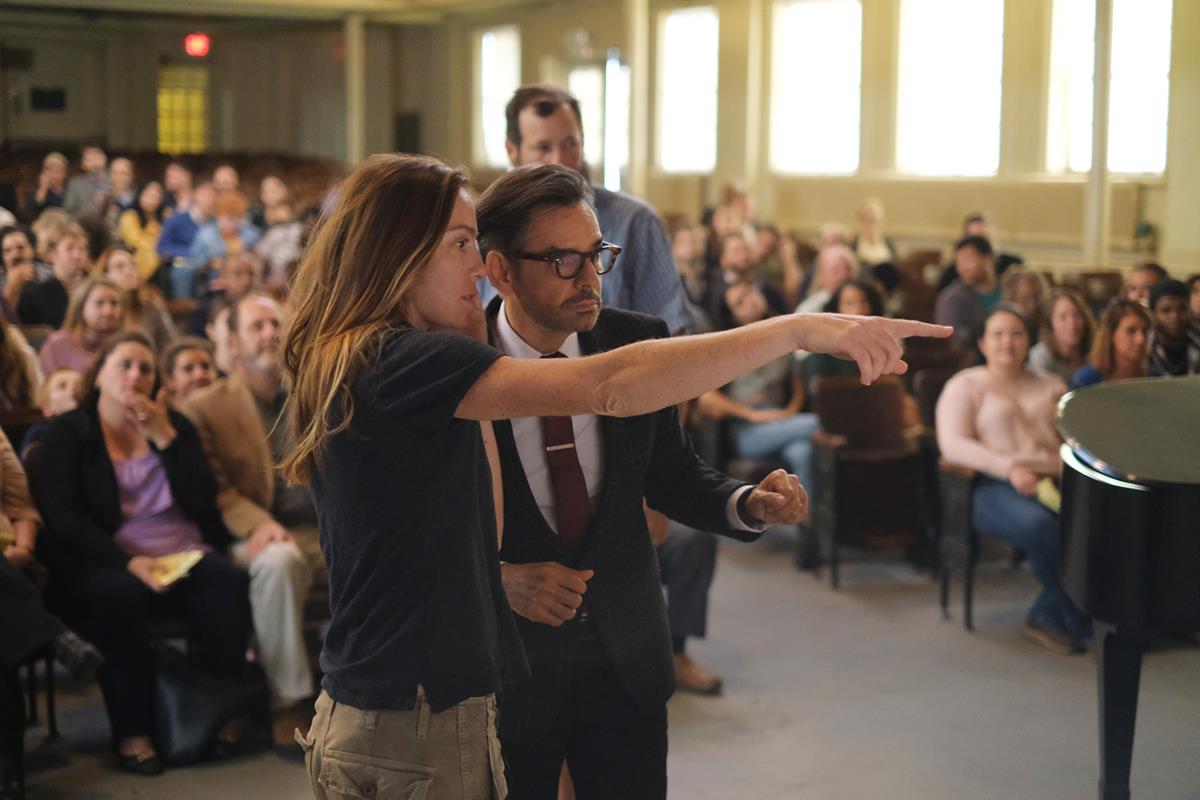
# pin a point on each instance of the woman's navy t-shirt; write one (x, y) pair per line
(408, 532)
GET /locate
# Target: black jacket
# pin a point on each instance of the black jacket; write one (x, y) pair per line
(75, 488)
(646, 456)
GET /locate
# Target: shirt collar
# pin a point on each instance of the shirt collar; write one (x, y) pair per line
(513, 345)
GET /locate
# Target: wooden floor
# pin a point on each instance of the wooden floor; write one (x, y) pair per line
(862, 693)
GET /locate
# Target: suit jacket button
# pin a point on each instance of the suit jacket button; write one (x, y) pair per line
(368, 790)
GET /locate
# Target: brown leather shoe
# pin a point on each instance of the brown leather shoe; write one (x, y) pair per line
(691, 677)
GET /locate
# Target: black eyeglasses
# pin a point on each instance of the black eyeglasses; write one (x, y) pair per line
(568, 263)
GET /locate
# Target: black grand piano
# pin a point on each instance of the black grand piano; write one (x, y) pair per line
(1130, 553)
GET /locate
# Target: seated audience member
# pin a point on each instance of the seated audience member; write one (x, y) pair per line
(274, 200)
(1026, 291)
(871, 245)
(97, 312)
(47, 228)
(16, 245)
(1193, 287)
(835, 265)
(281, 242)
(964, 303)
(123, 480)
(187, 365)
(50, 188)
(977, 224)
(144, 304)
(688, 254)
(60, 393)
(737, 266)
(240, 423)
(768, 261)
(1143, 275)
(177, 183)
(141, 226)
(226, 179)
(86, 193)
(239, 276)
(46, 303)
(1172, 350)
(1119, 348)
(998, 419)
(122, 193)
(26, 626)
(216, 330)
(227, 235)
(20, 374)
(797, 268)
(764, 405)
(179, 233)
(1066, 336)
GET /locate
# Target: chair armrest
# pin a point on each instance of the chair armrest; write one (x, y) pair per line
(956, 469)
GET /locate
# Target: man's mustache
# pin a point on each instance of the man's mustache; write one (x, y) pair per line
(586, 294)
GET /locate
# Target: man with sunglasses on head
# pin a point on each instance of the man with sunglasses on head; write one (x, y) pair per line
(577, 562)
(545, 126)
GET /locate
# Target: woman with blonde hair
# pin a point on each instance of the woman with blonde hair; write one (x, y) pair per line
(1120, 347)
(144, 304)
(96, 313)
(871, 245)
(389, 384)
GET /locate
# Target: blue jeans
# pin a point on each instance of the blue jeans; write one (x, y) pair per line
(790, 439)
(997, 509)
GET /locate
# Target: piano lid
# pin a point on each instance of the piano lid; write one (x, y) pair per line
(1144, 431)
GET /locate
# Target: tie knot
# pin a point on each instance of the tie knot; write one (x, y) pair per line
(554, 355)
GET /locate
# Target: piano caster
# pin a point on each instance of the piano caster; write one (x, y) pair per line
(1118, 670)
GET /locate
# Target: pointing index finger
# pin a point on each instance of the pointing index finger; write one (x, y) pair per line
(902, 328)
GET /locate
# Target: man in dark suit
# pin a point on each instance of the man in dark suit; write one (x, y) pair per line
(578, 564)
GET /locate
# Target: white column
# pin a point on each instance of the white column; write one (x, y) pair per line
(356, 88)
(1097, 196)
(637, 26)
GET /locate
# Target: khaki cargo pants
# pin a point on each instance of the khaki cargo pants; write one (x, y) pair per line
(405, 755)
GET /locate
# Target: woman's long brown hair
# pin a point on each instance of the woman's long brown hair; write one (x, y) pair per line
(1102, 356)
(351, 288)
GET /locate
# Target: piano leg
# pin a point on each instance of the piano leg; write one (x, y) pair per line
(1119, 670)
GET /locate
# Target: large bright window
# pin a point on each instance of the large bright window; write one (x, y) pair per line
(816, 77)
(586, 83)
(1138, 89)
(499, 75)
(687, 90)
(948, 105)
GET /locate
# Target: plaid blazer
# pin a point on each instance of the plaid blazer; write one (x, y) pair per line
(646, 456)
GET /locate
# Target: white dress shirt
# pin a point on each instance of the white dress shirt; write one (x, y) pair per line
(589, 445)
(527, 431)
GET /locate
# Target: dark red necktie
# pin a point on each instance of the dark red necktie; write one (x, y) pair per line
(572, 509)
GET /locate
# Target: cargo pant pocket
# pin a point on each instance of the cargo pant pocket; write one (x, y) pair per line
(349, 775)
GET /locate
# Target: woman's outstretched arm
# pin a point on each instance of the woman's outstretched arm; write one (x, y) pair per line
(646, 376)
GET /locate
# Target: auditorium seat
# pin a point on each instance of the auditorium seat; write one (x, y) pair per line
(863, 450)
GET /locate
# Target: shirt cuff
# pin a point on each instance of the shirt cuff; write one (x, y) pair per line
(734, 519)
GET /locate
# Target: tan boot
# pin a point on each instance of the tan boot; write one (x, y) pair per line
(285, 722)
(691, 677)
